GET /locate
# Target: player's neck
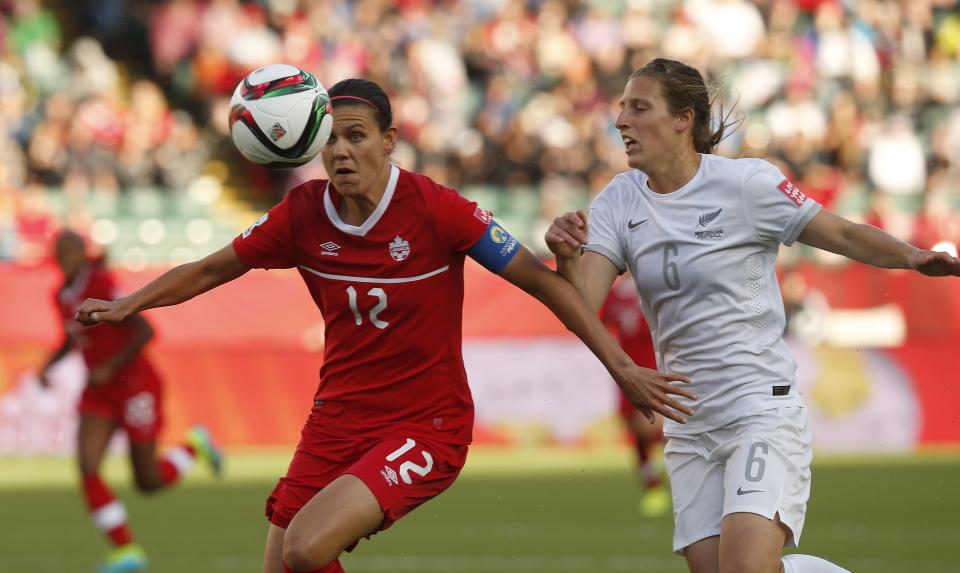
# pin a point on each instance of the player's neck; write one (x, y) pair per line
(677, 171)
(355, 209)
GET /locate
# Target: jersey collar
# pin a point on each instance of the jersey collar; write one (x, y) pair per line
(363, 229)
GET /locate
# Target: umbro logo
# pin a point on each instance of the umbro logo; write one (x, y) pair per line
(741, 491)
(631, 225)
(390, 476)
(329, 249)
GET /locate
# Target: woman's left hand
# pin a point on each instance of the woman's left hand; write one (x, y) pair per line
(935, 263)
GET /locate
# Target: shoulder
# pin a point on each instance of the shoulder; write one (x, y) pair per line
(307, 191)
(745, 173)
(427, 193)
(99, 273)
(423, 185)
(749, 167)
(622, 187)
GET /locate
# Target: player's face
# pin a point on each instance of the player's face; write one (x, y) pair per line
(650, 132)
(357, 155)
(70, 257)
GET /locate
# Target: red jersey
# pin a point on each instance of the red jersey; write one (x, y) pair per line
(391, 295)
(622, 314)
(100, 342)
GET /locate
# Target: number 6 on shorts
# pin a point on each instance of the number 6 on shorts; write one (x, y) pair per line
(756, 465)
(408, 466)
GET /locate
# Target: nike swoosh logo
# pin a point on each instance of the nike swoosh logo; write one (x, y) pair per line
(746, 491)
(631, 225)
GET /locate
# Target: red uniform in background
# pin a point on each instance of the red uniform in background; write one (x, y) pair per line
(393, 406)
(623, 316)
(133, 395)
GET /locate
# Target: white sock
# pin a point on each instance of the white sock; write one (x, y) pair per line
(809, 564)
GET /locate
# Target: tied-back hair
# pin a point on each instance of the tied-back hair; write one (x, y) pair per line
(683, 87)
(363, 92)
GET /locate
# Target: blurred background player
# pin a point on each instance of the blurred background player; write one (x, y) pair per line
(623, 316)
(123, 391)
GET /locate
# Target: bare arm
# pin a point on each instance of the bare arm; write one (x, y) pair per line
(648, 389)
(177, 285)
(868, 244)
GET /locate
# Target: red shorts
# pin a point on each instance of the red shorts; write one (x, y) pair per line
(132, 398)
(402, 473)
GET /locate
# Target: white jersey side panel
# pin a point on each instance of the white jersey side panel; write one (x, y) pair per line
(703, 259)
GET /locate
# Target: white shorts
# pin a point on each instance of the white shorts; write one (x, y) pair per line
(758, 464)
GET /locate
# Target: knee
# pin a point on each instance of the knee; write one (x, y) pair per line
(88, 468)
(307, 553)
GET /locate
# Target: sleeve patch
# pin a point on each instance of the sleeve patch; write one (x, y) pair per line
(792, 192)
(495, 248)
(256, 224)
(484, 215)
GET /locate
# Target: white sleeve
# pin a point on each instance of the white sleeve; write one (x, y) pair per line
(777, 208)
(605, 226)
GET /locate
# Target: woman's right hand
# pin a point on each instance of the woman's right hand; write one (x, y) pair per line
(94, 311)
(567, 235)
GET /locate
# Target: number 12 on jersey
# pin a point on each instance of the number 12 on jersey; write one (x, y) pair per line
(381, 297)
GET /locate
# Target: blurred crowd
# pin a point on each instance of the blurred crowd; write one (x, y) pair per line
(857, 100)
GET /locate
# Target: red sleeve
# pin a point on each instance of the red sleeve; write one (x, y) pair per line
(460, 222)
(268, 242)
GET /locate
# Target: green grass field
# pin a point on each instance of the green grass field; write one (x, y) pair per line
(524, 513)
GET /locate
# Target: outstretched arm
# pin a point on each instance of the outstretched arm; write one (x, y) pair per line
(649, 390)
(868, 244)
(177, 285)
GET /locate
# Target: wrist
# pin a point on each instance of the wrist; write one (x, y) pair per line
(125, 307)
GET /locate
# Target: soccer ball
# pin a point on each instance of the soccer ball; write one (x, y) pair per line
(280, 116)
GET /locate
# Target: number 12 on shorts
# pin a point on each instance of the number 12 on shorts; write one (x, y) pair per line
(409, 466)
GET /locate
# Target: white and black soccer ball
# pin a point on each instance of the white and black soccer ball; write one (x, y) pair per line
(280, 116)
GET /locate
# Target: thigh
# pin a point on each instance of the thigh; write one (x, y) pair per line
(751, 543)
(93, 437)
(704, 555)
(696, 484)
(335, 518)
(273, 552)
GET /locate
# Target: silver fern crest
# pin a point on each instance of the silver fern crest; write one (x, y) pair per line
(708, 218)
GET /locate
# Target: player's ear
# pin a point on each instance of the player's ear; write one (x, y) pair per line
(390, 137)
(685, 119)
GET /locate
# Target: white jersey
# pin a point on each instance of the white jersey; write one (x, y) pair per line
(703, 259)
